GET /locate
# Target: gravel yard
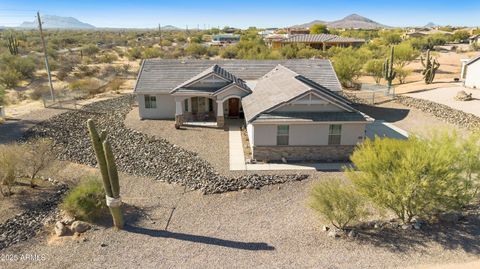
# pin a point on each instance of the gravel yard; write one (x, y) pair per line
(267, 228)
(210, 144)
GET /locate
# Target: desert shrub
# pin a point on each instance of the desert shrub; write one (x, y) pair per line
(213, 51)
(126, 68)
(87, 71)
(2, 95)
(88, 86)
(196, 50)
(134, 53)
(338, 202)
(38, 92)
(90, 50)
(229, 52)
(166, 43)
(418, 177)
(115, 84)
(25, 66)
(152, 53)
(86, 201)
(402, 74)
(307, 53)
(9, 167)
(374, 68)
(107, 58)
(10, 77)
(37, 156)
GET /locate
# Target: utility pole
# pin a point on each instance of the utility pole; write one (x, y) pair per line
(160, 30)
(47, 66)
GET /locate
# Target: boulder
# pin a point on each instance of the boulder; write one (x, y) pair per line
(463, 96)
(80, 226)
(333, 233)
(60, 229)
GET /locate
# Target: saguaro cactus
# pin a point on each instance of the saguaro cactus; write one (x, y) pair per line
(389, 73)
(108, 169)
(12, 44)
(431, 66)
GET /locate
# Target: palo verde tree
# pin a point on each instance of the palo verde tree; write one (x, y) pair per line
(418, 177)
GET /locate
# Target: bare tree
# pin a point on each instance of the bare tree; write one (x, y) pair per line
(38, 157)
(8, 168)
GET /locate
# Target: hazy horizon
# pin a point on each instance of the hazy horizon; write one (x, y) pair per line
(263, 14)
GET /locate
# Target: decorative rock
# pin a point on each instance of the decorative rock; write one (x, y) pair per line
(284, 160)
(67, 220)
(333, 233)
(463, 96)
(417, 225)
(103, 245)
(406, 226)
(352, 233)
(60, 229)
(325, 228)
(80, 226)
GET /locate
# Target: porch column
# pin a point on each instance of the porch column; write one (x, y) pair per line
(220, 118)
(178, 112)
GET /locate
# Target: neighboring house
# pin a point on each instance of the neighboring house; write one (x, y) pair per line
(319, 41)
(423, 32)
(474, 40)
(471, 72)
(274, 41)
(224, 39)
(293, 109)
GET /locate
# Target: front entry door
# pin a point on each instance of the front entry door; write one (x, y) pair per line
(233, 107)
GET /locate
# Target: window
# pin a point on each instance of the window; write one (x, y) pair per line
(335, 134)
(282, 135)
(210, 105)
(150, 101)
(186, 105)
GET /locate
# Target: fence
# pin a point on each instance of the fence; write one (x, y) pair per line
(372, 94)
(63, 100)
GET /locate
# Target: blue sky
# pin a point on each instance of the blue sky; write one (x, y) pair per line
(242, 13)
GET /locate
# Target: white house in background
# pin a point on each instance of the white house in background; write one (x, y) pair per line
(293, 109)
(471, 72)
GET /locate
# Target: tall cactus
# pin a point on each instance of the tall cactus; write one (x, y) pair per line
(12, 44)
(430, 66)
(108, 169)
(389, 73)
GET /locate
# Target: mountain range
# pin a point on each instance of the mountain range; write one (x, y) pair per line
(353, 21)
(57, 22)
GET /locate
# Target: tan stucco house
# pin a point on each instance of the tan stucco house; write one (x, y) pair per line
(293, 109)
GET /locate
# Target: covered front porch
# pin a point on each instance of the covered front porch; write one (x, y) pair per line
(206, 111)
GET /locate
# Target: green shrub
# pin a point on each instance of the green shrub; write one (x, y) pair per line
(86, 201)
(418, 177)
(348, 66)
(374, 68)
(402, 74)
(10, 78)
(107, 58)
(196, 50)
(2, 95)
(338, 202)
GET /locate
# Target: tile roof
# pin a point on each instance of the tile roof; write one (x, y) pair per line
(214, 69)
(318, 38)
(280, 86)
(163, 75)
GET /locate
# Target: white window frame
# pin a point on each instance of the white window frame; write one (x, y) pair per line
(150, 101)
(281, 134)
(335, 135)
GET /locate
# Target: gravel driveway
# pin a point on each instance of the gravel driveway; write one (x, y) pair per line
(446, 96)
(266, 228)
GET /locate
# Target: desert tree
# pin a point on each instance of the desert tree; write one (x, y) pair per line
(38, 156)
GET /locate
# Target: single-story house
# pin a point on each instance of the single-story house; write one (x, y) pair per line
(474, 40)
(471, 72)
(293, 109)
(320, 41)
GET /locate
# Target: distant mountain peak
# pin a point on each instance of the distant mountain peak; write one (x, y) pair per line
(58, 22)
(351, 21)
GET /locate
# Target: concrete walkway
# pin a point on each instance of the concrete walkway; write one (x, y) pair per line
(296, 166)
(235, 147)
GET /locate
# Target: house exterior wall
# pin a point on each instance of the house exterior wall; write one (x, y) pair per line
(303, 153)
(165, 107)
(306, 142)
(472, 78)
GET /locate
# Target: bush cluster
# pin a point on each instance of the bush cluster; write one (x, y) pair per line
(86, 201)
